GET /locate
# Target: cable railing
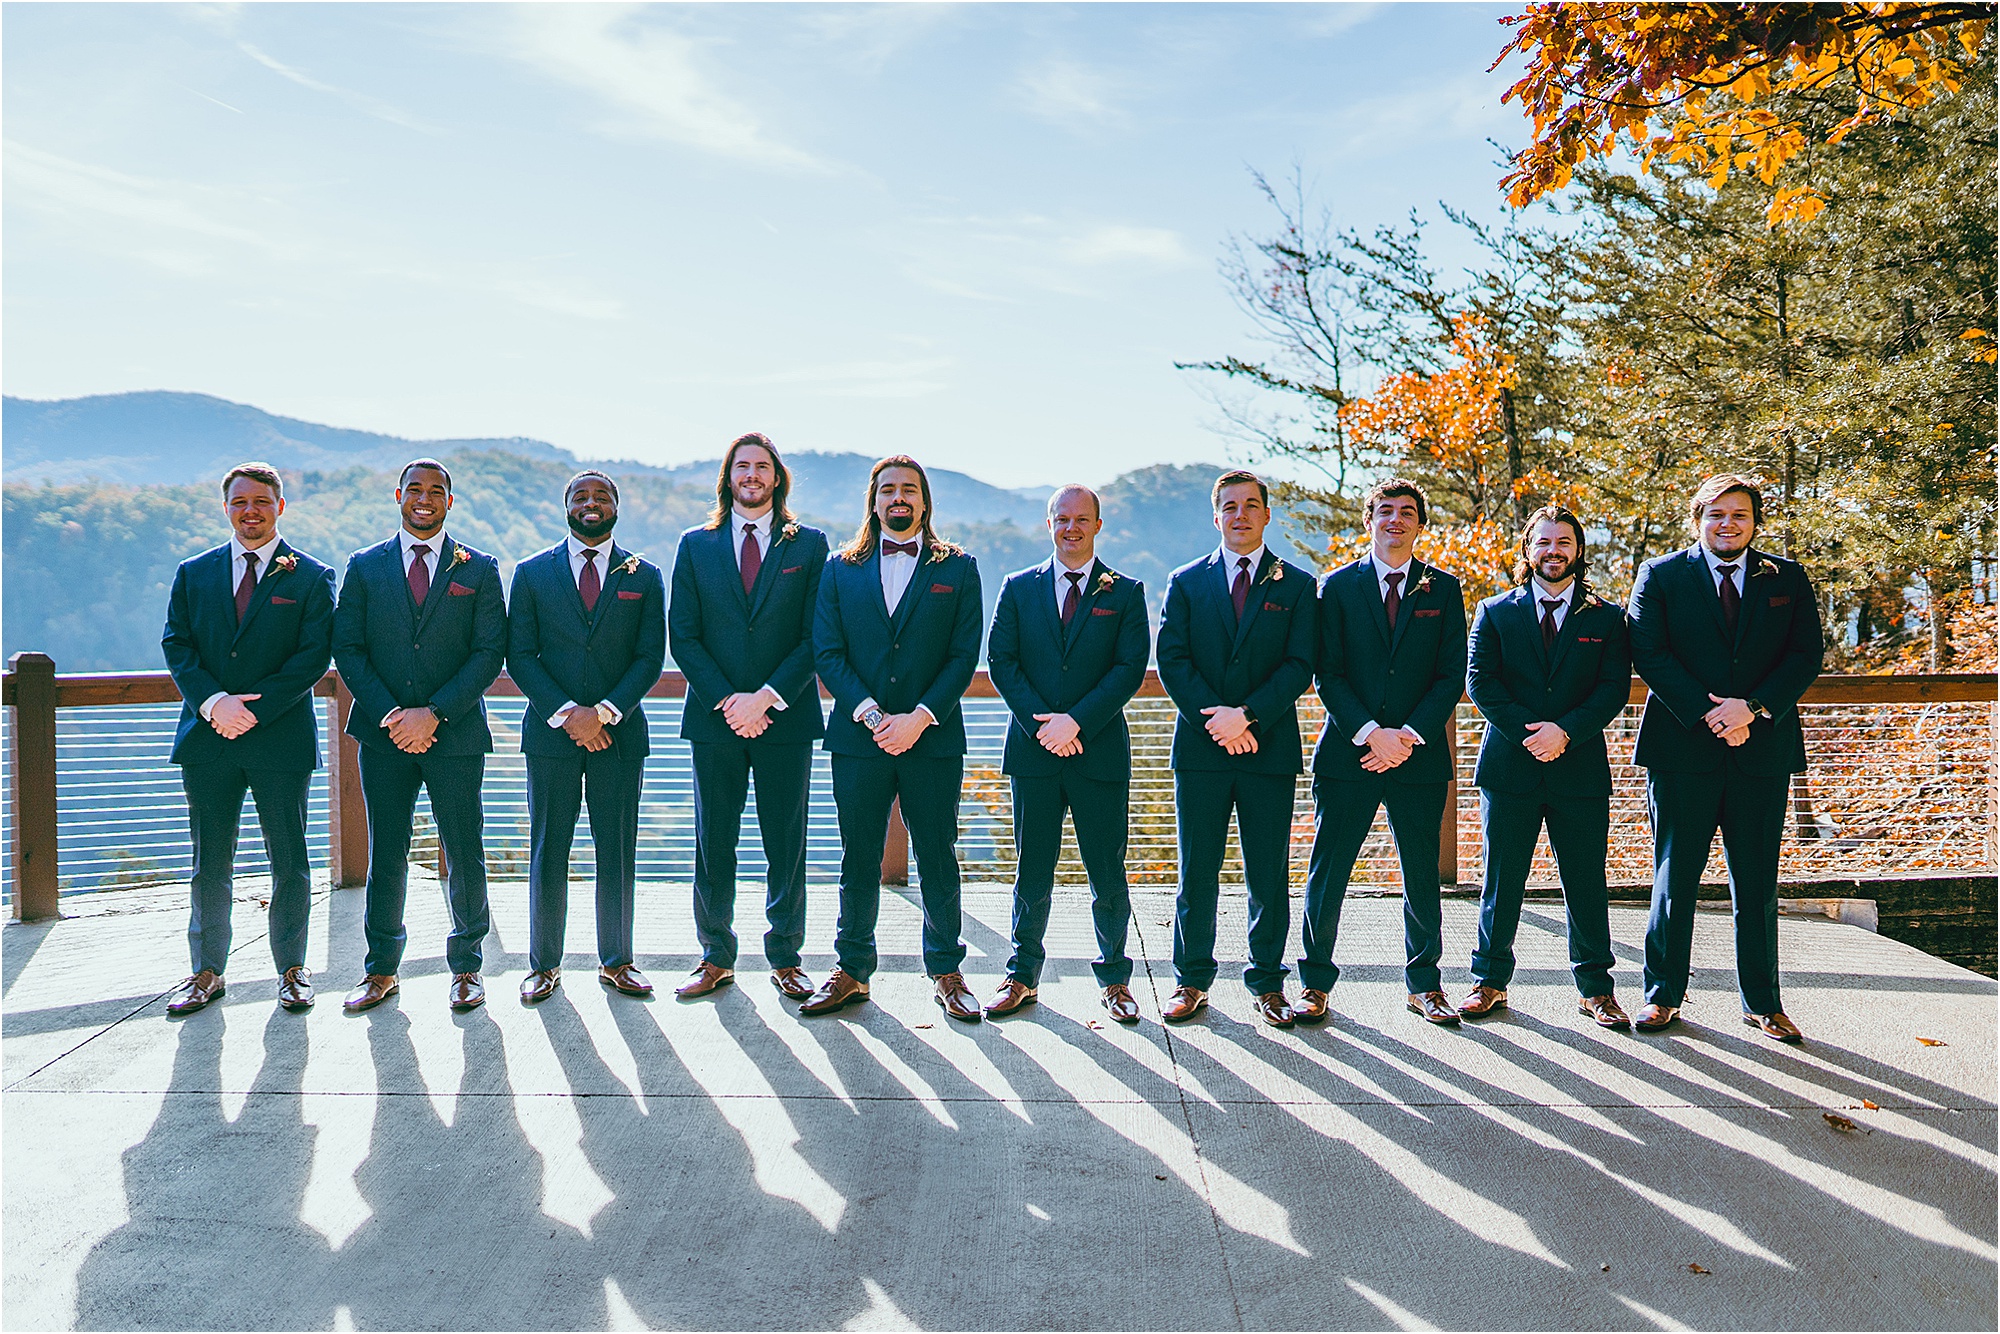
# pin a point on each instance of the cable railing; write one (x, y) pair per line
(1902, 782)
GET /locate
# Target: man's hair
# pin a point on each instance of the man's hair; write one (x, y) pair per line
(1395, 486)
(1096, 505)
(1718, 486)
(432, 464)
(603, 477)
(856, 552)
(725, 495)
(257, 472)
(1524, 565)
(1237, 477)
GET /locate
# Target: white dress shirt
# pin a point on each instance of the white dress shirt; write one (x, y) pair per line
(410, 541)
(1062, 582)
(738, 524)
(1230, 567)
(1382, 572)
(897, 571)
(607, 712)
(236, 554)
(1715, 563)
(1543, 593)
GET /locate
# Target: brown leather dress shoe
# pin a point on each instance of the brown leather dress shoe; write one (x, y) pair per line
(1184, 1004)
(374, 989)
(705, 978)
(1312, 1006)
(540, 986)
(295, 988)
(1604, 1009)
(1273, 1009)
(1118, 1003)
(955, 998)
(793, 982)
(198, 991)
(838, 990)
(467, 992)
(1652, 1018)
(1482, 1000)
(1775, 1025)
(626, 979)
(1433, 1006)
(1011, 996)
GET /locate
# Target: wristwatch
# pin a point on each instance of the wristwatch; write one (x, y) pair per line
(1757, 707)
(872, 719)
(1249, 715)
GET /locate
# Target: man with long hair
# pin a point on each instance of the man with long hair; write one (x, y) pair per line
(896, 634)
(740, 629)
(1727, 637)
(1549, 668)
(586, 637)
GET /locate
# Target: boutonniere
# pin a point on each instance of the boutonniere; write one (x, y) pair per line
(1423, 584)
(1105, 580)
(1277, 572)
(790, 531)
(459, 556)
(287, 562)
(630, 565)
(1764, 567)
(940, 551)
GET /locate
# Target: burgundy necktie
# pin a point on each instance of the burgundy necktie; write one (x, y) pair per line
(420, 574)
(900, 548)
(246, 586)
(588, 584)
(753, 559)
(1073, 597)
(1392, 601)
(1732, 601)
(1239, 588)
(1549, 606)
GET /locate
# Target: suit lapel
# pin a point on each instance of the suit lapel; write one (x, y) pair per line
(1567, 632)
(1253, 602)
(1369, 589)
(1699, 568)
(911, 591)
(565, 577)
(1751, 606)
(871, 569)
(722, 554)
(767, 573)
(1045, 608)
(613, 577)
(1528, 600)
(265, 583)
(1083, 606)
(1405, 613)
(440, 588)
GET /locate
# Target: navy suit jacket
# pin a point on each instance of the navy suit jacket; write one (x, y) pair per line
(280, 651)
(1681, 651)
(394, 654)
(1580, 685)
(1411, 678)
(1088, 670)
(1264, 662)
(924, 654)
(557, 651)
(725, 641)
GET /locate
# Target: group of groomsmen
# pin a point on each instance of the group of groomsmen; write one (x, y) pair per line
(1726, 635)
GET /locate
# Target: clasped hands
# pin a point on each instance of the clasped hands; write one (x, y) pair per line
(748, 712)
(1730, 719)
(1387, 747)
(1230, 729)
(412, 730)
(586, 728)
(231, 715)
(1059, 734)
(897, 732)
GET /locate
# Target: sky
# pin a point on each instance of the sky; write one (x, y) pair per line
(978, 234)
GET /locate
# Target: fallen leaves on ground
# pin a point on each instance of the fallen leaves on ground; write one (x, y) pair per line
(1695, 1268)
(1931, 1042)
(1870, 1106)
(1838, 1122)
(923, 1025)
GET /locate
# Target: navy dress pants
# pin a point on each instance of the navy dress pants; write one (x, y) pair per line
(864, 788)
(558, 787)
(1203, 799)
(215, 791)
(390, 780)
(1579, 833)
(1099, 810)
(1343, 812)
(1687, 810)
(722, 773)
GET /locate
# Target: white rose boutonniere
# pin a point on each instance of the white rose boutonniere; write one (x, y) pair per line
(1764, 567)
(287, 562)
(1105, 580)
(630, 565)
(459, 556)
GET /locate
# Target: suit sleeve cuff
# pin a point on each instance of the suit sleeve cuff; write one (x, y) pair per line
(777, 700)
(556, 718)
(386, 717)
(208, 705)
(609, 714)
(1368, 729)
(1412, 733)
(863, 707)
(925, 709)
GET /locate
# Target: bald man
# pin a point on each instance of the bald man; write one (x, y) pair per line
(1067, 650)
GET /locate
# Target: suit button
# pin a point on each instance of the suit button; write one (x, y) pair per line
(892, 680)
(895, 646)
(232, 653)
(416, 648)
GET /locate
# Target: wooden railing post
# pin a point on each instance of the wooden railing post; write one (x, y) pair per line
(31, 737)
(1448, 827)
(896, 848)
(347, 816)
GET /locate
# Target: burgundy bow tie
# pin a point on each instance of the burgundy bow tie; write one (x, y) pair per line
(900, 548)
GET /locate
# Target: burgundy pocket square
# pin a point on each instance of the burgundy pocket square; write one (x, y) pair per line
(1780, 601)
(1431, 611)
(943, 588)
(791, 569)
(277, 601)
(1274, 606)
(1104, 611)
(627, 596)
(458, 590)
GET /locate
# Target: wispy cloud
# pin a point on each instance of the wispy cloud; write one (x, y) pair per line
(1067, 92)
(651, 79)
(188, 228)
(853, 379)
(373, 106)
(997, 259)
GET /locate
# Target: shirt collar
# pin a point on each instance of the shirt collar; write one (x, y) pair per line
(1542, 591)
(1229, 558)
(1741, 560)
(761, 523)
(577, 546)
(408, 539)
(1382, 569)
(1060, 569)
(236, 549)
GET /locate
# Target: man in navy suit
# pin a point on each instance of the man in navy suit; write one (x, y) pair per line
(249, 634)
(586, 638)
(1235, 653)
(419, 634)
(1391, 668)
(740, 627)
(1067, 650)
(896, 633)
(1549, 669)
(1727, 638)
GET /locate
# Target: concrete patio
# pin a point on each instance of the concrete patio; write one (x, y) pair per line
(600, 1162)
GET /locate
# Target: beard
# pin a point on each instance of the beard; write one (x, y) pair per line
(900, 523)
(1560, 573)
(591, 532)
